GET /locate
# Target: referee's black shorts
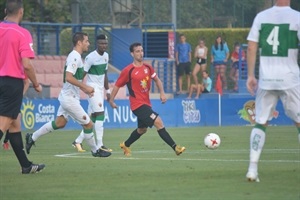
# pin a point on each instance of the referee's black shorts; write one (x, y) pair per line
(11, 94)
(145, 115)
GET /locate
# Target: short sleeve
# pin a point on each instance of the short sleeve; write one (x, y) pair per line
(26, 45)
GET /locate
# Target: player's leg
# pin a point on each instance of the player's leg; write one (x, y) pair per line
(76, 111)
(265, 103)
(148, 118)
(77, 143)
(290, 99)
(96, 105)
(5, 143)
(60, 122)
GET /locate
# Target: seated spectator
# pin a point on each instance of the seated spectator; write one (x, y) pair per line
(205, 87)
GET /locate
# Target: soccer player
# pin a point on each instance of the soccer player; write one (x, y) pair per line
(277, 32)
(69, 98)
(137, 76)
(95, 66)
(16, 53)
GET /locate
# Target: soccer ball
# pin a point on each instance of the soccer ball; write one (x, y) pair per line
(212, 141)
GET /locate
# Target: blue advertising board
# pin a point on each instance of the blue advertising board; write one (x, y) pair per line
(178, 112)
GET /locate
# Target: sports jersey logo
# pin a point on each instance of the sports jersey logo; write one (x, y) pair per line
(144, 83)
(28, 115)
(146, 70)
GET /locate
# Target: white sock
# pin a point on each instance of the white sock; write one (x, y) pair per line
(299, 137)
(80, 138)
(257, 141)
(90, 140)
(99, 133)
(46, 128)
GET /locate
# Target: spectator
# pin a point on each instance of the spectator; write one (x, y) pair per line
(205, 87)
(201, 55)
(219, 58)
(234, 71)
(183, 57)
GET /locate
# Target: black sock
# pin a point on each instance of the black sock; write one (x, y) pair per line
(6, 138)
(18, 147)
(166, 137)
(1, 134)
(132, 138)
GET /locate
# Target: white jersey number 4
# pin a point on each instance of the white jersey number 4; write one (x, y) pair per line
(277, 39)
(273, 39)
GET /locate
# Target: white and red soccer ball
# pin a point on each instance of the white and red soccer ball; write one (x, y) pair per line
(212, 141)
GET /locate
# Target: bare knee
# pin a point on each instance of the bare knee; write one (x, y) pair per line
(60, 122)
(141, 130)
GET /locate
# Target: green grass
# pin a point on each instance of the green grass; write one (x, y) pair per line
(154, 171)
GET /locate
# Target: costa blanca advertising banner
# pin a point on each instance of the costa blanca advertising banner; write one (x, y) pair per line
(175, 113)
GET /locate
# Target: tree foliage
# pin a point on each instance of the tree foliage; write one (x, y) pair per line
(190, 13)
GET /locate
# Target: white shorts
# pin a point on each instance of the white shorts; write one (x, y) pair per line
(96, 102)
(70, 107)
(266, 101)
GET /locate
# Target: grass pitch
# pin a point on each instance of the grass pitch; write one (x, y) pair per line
(154, 171)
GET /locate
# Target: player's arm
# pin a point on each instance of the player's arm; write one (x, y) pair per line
(159, 85)
(251, 59)
(106, 86)
(85, 88)
(29, 70)
(113, 95)
(26, 85)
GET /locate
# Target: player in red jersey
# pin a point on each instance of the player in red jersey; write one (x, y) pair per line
(138, 76)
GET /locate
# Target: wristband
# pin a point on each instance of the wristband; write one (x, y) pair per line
(108, 91)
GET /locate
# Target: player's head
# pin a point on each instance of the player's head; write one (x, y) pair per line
(14, 8)
(102, 43)
(137, 52)
(133, 46)
(81, 41)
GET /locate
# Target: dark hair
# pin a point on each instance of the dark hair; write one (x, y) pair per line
(133, 45)
(236, 44)
(205, 72)
(78, 36)
(216, 43)
(101, 37)
(13, 6)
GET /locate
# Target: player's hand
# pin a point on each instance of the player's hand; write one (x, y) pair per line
(88, 90)
(251, 85)
(38, 88)
(163, 98)
(107, 97)
(112, 104)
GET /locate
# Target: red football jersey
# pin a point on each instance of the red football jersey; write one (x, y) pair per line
(138, 81)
